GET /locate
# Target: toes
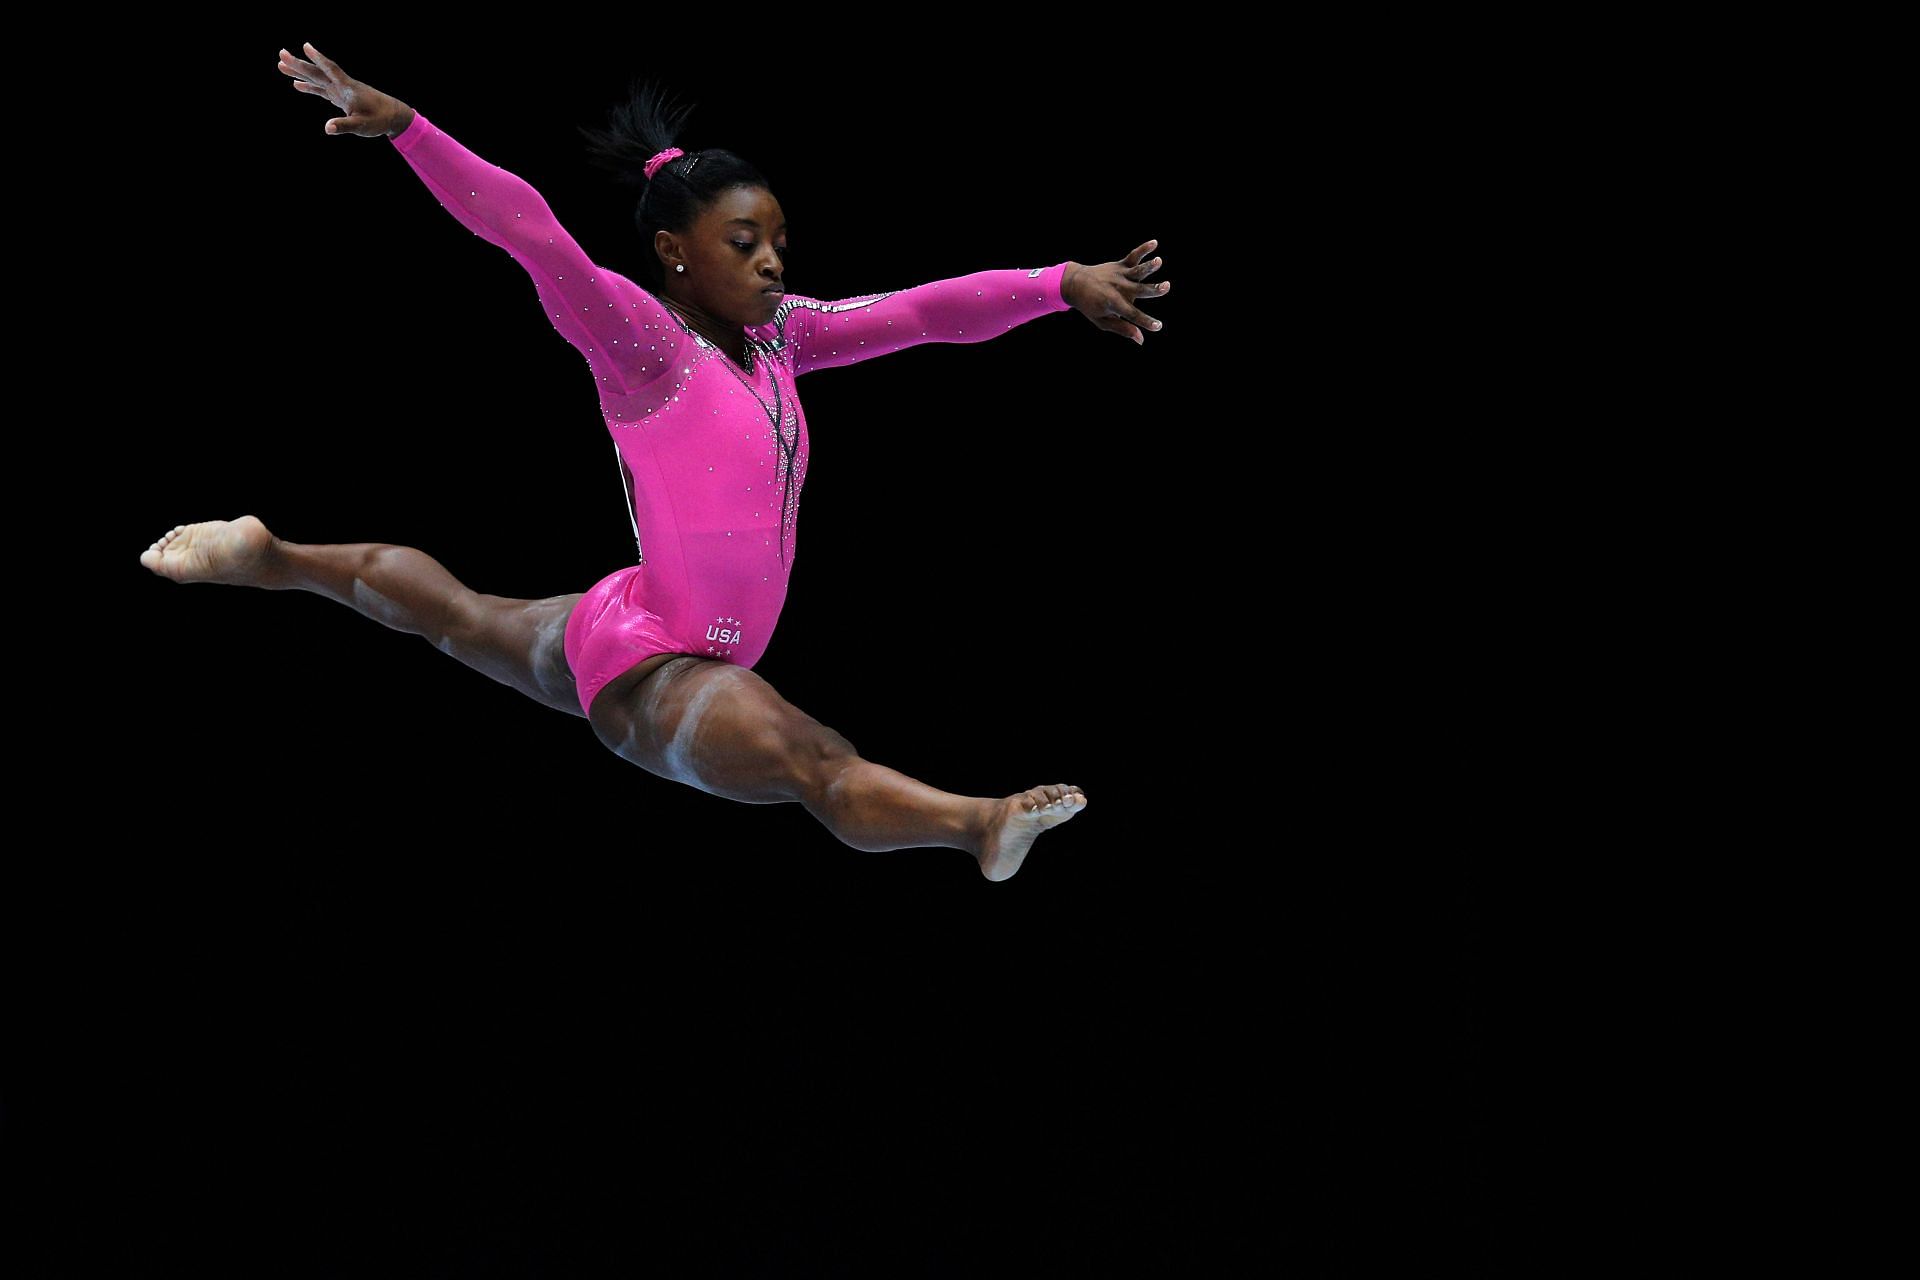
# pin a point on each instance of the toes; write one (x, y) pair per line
(1053, 798)
(1069, 800)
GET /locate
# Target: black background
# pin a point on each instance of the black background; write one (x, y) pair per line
(381, 968)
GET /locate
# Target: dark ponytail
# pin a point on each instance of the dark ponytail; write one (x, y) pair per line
(639, 129)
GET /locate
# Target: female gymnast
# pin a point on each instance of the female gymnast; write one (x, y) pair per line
(696, 381)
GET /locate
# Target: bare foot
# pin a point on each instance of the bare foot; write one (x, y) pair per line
(232, 551)
(1020, 821)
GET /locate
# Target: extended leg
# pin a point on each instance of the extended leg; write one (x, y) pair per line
(517, 642)
(725, 730)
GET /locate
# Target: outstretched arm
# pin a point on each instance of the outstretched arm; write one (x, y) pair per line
(970, 308)
(599, 311)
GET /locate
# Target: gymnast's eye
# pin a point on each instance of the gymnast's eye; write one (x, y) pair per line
(779, 248)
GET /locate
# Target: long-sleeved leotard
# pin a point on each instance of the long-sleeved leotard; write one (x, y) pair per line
(712, 456)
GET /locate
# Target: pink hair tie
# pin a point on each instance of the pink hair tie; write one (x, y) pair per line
(654, 164)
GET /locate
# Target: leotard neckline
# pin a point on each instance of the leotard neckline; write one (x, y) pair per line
(753, 344)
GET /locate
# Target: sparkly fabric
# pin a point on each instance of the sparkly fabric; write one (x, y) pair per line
(712, 456)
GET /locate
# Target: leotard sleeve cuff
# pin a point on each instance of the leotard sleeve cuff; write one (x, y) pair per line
(1059, 283)
(410, 136)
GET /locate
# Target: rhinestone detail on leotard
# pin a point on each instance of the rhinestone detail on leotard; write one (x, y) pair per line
(785, 426)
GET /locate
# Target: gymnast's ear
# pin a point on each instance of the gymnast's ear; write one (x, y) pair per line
(663, 248)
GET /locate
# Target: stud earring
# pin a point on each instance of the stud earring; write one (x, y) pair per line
(679, 266)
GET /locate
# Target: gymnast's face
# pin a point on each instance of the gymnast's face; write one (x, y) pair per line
(737, 248)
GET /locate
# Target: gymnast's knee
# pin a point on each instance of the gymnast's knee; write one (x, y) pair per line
(822, 759)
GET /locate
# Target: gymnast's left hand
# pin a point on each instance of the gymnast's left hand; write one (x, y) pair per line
(1105, 293)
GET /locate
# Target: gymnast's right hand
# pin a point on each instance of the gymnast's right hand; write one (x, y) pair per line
(369, 112)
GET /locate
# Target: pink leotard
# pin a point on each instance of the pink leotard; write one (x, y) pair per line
(712, 456)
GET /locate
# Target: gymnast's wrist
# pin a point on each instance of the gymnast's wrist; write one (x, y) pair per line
(402, 117)
(1066, 282)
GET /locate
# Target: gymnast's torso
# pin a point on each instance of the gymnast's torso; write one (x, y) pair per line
(712, 456)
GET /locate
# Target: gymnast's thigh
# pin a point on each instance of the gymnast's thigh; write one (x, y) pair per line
(719, 727)
(521, 643)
